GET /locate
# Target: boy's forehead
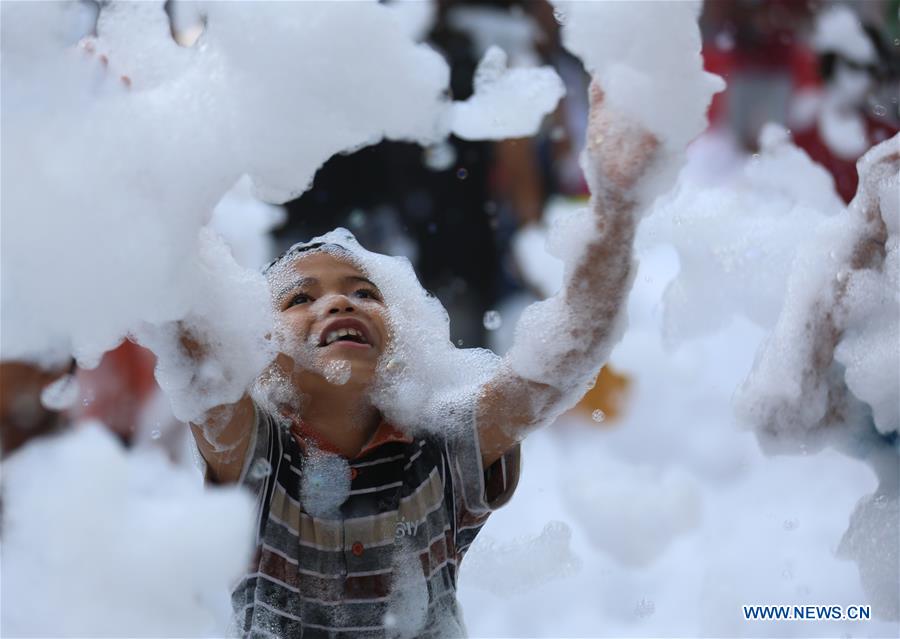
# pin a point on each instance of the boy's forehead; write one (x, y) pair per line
(323, 261)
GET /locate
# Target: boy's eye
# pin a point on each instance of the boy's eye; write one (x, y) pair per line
(366, 293)
(300, 298)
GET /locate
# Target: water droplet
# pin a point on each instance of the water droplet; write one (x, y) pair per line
(880, 110)
(260, 468)
(440, 156)
(155, 434)
(560, 16)
(558, 133)
(598, 415)
(725, 41)
(459, 342)
(462, 173)
(644, 608)
(492, 320)
(754, 157)
(356, 219)
(389, 620)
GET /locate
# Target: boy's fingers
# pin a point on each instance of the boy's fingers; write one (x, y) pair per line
(596, 93)
(648, 144)
(87, 45)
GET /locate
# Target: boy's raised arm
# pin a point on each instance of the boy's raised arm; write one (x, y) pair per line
(587, 310)
(812, 325)
(224, 434)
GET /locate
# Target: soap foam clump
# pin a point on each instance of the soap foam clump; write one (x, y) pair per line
(97, 555)
(119, 165)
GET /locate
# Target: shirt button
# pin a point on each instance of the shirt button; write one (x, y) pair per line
(353, 473)
(357, 549)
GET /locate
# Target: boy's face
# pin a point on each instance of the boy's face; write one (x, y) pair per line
(330, 312)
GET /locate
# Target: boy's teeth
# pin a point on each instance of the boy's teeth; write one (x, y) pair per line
(343, 332)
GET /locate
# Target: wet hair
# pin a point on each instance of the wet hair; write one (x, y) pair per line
(309, 247)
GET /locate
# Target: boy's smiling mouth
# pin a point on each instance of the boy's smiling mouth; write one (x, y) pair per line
(347, 332)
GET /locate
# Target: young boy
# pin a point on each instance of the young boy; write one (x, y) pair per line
(382, 558)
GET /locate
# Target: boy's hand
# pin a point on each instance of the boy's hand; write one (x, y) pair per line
(190, 343)
(877, 183)
(618, 149)
(89, 46)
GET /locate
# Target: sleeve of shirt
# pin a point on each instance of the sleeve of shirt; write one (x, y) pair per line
(477, 490)
(260, 465)
(258, 460)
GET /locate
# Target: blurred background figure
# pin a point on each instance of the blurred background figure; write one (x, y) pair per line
(856, 105)
(116, 392)
(826, 70)
(758, 47)
(23, 416)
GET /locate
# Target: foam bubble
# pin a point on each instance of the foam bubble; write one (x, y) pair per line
(324, 484)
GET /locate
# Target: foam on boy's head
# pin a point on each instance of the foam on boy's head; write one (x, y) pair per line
(280, 270)
(301, 248)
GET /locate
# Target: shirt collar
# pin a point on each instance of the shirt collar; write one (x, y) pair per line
(385, 433)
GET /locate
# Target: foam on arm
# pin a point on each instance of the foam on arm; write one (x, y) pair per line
(561, 343)
(794, 391)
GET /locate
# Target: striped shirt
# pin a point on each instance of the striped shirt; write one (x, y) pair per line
(383, 561)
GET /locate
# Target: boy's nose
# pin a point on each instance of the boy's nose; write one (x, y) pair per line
(340, 304)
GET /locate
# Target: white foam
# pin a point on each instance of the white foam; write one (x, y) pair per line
(737, 236)
(838, 30)
(324, 484)
(507, 103)
(794, 392)
(515, 566)
(126, 174)
(61, 394)
(103, 553)
(633, 513)
(644, 53)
